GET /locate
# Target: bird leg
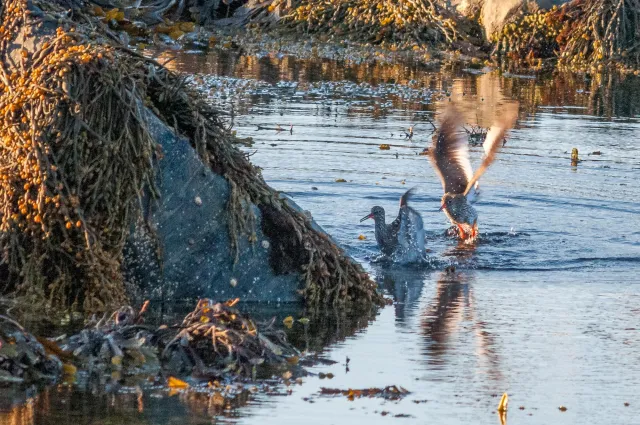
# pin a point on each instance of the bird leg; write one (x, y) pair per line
(474, 230)
(461, 232)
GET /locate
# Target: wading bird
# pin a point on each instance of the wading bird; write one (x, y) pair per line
(403, 238)
(450, 158)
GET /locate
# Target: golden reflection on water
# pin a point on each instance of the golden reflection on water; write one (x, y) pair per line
(605, 95)
(22, 414)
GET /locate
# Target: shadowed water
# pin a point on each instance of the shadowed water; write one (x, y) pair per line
(545, 306)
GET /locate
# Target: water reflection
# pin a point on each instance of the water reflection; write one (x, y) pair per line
(606, 95)
(406, 285)
(451, 323)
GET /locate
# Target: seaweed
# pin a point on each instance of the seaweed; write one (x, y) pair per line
(77, 158)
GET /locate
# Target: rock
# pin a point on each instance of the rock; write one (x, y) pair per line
(196, 260)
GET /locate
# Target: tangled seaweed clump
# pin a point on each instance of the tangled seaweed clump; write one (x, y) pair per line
(600, 32)
(403, 24)
(215, 339)
(583, 35)
(77, 158)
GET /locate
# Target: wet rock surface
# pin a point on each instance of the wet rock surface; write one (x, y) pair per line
(189, 220)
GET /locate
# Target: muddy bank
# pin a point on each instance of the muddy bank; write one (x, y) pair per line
(121, 182)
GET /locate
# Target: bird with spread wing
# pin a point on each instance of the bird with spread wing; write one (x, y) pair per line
(450, 159)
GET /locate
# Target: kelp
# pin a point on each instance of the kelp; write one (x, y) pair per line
(409, 23)
(599, 32)
(216, 339)
(582, 35)
(77, 157)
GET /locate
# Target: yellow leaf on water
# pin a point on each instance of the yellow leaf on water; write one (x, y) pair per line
(177, 383)
(341, 181)
(288, 321)
(385, 147)
(362, 237)
(504, 401)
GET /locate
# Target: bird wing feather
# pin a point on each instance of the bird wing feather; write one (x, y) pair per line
(450, 154)
(493, 142)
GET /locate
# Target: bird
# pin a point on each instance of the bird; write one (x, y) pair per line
(450, 159)
(403, 238)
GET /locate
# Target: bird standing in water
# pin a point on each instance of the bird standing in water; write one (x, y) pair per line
(450, 158)
(403, 238)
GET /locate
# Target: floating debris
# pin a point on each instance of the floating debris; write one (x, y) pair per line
(574, 157)
(391, 392)
(562, 408)
(385, 147)
(504, 402)
(341, 181)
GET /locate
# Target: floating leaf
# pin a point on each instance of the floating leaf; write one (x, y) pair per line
(304, 320)
(362, 237)
(504, 401)
(341, 181)
(385, 147)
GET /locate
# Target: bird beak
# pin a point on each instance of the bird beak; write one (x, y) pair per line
(441, 207)
(366, 217)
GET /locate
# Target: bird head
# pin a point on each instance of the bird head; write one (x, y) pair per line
(451, 202)
(377, 213)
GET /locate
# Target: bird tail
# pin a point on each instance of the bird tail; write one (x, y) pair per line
(407, 195)
(493, 141)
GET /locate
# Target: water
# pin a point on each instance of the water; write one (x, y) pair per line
(545, 307)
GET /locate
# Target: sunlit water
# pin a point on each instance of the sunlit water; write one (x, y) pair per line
(545, 307)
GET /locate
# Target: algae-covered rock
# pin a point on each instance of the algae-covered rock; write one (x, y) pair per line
(115, 176)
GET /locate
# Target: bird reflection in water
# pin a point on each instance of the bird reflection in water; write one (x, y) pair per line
(446, 320)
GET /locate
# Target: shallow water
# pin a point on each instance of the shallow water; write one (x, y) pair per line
(545, 307)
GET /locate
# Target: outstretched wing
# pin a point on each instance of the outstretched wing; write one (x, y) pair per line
(450, 154)
(493, 141)
(410, 232)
